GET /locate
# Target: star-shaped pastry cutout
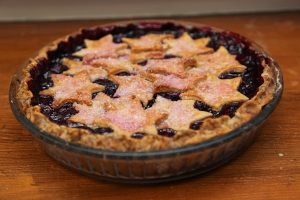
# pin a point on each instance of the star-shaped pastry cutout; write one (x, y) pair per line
(104, 47)
(76, 66)
(78, 89)
(149, 42)
(128, 116)
(180, 114)
(115, 65)
(218, 62)
(185, 46)
(136, 86)
(87, 114)
(164, 83)
(216, 92)
(175, 66)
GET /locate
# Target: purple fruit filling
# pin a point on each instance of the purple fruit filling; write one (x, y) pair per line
(230, 75)
(110, 86)
(168, 56)
(196, 125)
(123, 74)
(228, 109)
(173, 96)
(143, 63)
(138, 135)
(58, 68)
(234, 43)
(166, 132)
(99, 130)
(94, 94)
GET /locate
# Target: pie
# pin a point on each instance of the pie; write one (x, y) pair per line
(145, 86)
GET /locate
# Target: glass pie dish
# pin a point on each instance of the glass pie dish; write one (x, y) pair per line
(158, 165)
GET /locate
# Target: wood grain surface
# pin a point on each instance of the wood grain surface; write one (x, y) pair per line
(269, 169)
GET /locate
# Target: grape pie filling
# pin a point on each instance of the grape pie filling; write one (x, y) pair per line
(145, 86)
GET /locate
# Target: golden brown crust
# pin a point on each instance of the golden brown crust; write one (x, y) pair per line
(211, 127)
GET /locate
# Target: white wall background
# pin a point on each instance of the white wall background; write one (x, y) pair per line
(20, 10)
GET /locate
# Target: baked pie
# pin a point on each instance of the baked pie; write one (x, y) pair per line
(145, 86)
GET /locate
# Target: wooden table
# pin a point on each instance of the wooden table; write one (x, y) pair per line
(270, 169)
